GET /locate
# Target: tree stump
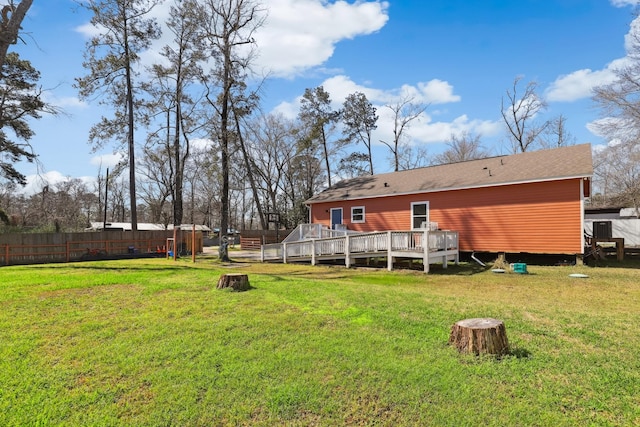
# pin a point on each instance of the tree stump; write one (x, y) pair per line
(237, 282)
(480, 336)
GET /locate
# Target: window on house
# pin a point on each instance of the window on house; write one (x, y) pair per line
(420, 215)
(357, 214)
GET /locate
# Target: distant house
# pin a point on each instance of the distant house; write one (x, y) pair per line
(529, 202)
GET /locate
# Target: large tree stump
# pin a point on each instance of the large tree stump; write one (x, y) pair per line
(480, 336)
(237, 282)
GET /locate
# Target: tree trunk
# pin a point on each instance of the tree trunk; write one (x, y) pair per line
(237, 282)
(480, 336)
(12, 17)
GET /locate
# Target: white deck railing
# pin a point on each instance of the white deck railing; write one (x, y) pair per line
(442, 246)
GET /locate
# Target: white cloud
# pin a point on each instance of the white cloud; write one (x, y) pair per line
(432, 92)
(300, 34)
(339, 87)
(107, 160)
(89, 30)
(201, 143)
(421, 130)
(623, 3)
(577, 85)
(425, 130)
(287, 109)
(297, 34)
(37, 182)
(66, 102)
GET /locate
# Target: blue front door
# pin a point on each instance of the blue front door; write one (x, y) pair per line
(336, 217)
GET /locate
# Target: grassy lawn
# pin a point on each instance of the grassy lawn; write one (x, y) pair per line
(152, 343)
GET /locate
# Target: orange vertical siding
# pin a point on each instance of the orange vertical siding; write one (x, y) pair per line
(543, 217)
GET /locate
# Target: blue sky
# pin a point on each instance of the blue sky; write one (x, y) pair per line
(458, 56)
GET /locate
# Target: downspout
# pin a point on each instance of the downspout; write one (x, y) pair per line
(473, 257)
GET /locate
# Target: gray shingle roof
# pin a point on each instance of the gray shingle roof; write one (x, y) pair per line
(545, 165)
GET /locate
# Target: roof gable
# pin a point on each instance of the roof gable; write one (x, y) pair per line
(545, 165)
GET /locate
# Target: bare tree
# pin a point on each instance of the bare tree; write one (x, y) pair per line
(203, 170)
(253, 144)
(616, 168)
(556, 133)
(617, 175)
(111, 57)
(172, 94)
(303, 177)
(157, 184)
(412, 156)
(519, 115)
(11, 16)
(463, 147)
(229, 29)
(619, 100)
(404, 112)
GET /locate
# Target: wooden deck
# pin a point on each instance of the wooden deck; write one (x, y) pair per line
(442, 247)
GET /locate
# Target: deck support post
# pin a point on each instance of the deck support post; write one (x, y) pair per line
(347, 251)
(456, 257)
(425, 248)
(389, 251)
(445, 258)
(313, 251)
(284, 253)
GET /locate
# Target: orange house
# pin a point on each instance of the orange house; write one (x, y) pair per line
(529, 202)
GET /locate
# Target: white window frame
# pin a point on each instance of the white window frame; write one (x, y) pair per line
(413, 217)
(353, 214)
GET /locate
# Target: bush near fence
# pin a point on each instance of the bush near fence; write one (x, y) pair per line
(38, 248)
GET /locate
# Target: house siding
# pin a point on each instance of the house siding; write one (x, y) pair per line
(540, 217)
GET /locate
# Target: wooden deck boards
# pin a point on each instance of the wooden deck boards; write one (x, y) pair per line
(442, 247)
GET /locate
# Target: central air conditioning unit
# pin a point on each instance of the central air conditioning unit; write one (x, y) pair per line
(602, 229)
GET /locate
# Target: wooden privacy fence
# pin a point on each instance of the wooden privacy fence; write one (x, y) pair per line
(254, 239)
(65, 247)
